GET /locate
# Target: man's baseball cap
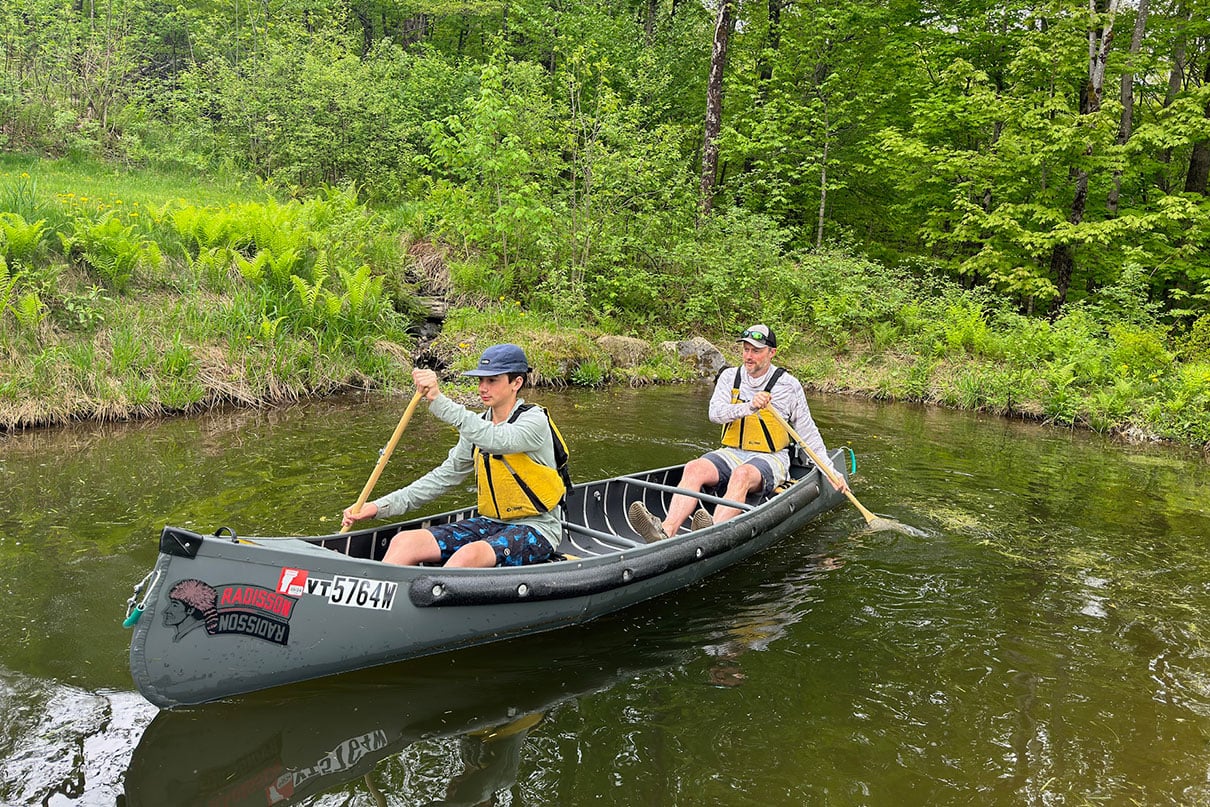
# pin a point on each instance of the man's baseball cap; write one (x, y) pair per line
(759, 336)
(501, 359)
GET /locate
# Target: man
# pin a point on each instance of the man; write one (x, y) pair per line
(754, 457)
(521, 475)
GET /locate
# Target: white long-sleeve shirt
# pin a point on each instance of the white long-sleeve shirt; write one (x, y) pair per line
(787, 397)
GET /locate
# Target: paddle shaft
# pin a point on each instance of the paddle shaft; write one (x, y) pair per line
(824, 467)
(383, 456)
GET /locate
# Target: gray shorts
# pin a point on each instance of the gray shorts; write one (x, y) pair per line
(726, 460)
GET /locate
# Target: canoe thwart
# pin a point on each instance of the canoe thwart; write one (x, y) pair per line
(694, 494)
(607, 538)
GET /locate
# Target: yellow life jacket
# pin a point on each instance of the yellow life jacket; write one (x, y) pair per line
(515, 485)
(759, 431)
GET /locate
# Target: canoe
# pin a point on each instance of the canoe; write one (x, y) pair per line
(222, 614)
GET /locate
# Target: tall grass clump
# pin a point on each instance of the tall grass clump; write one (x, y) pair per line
(20, 196)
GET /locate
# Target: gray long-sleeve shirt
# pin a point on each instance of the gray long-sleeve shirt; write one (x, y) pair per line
(787, 397)
(529, 434)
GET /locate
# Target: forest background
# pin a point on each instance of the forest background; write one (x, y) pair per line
(997, 206)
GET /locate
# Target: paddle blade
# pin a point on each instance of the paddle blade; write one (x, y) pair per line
(881, 524)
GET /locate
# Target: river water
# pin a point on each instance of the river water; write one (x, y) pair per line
(1044, 642)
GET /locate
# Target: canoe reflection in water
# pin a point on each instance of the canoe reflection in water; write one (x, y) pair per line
(261, 754)
(285, 746)
(288, 744)
(490, 760)
(757, 626)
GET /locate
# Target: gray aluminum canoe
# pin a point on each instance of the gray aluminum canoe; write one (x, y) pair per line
(221, 615)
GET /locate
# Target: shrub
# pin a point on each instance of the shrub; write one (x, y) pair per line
(1138, 352)
(588, 373)
(966, 329)
(1195, 345)
(840, 294)
(1185, 410)
(729, 275)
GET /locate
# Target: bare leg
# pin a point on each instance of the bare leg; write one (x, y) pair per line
(698, 474)
(744, 480)
(478, 554)
(412, 547)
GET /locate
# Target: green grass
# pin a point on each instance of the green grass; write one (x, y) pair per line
(106, 183)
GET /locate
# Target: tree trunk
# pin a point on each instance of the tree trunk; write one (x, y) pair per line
(653, 6)
(1199, 160)
(367, 30)
(1062, 261)
(714, 105)
(823, 191)
(411, 30)
(772, 43)
(1176, 81)
(1127, 99)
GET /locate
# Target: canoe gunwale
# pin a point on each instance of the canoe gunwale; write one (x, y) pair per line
(555, 581)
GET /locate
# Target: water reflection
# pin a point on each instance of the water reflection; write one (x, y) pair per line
(288, 748)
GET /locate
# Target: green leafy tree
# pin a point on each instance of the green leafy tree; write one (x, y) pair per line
(489, 187)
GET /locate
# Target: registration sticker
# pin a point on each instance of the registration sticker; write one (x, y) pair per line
(292, 582)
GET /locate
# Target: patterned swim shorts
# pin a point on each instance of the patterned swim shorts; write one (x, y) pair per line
(514, 544)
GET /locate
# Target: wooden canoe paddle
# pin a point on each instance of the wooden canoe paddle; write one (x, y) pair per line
(875, 523)
(383, 456)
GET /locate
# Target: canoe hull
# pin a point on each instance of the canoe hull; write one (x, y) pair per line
(223, 615)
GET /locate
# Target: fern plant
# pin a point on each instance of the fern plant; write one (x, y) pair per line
(209, 228)
(366, 304)
(19, 239)
(270, 268)
(268, 328)
(277, 227)
(319, 306)
(364, 291)
(110, 248)
(213, 264)
(8, 282)
(30, 311)
(188, 221)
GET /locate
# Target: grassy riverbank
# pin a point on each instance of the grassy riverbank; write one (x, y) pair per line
(126, 295)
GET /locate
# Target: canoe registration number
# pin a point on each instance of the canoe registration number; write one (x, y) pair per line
(357, 592)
